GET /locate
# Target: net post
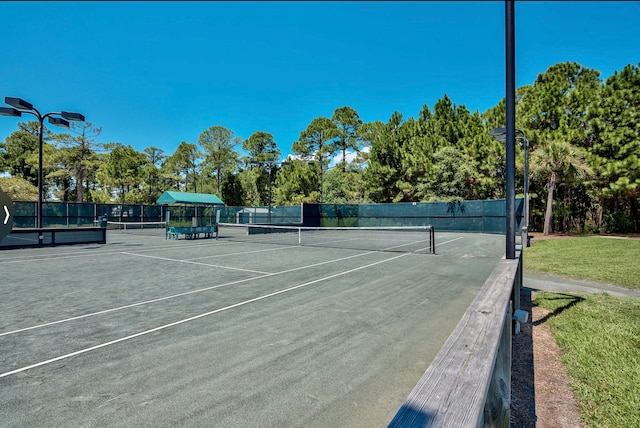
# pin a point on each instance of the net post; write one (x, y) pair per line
(432, 239)
(217, 224)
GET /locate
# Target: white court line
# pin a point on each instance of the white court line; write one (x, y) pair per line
(47, 257)
(81, 253)
(215, 256)
(186, 293)
(451, 240)
(200, 290)
(100, 252)
(163, 327)
(195, 263)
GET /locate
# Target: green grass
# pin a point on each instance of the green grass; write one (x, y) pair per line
(600, 340)
(599, 335)
(610, 260)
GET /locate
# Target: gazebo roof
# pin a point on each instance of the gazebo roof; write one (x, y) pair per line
(188, 198)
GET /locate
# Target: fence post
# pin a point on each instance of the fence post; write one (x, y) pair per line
(517, 284)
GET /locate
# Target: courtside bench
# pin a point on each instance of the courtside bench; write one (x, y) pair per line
(191, 232)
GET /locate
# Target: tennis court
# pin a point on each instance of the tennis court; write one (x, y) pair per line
(145, 331)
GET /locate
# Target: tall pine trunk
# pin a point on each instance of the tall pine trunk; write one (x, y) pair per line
(548, 213)
(79, 184)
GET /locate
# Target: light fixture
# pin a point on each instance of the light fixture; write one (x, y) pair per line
(18, 103)
(21, 106)
(6, 111)
(58, 121)
(72, 116)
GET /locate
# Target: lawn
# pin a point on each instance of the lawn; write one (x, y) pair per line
(610, 260)
(599, 334)
(600, 340)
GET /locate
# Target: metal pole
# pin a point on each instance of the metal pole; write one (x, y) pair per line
(321, 175)
(525, 227)
(511, 130)
(40, 143)
(526, 182)
(21, 106)
(269, 173)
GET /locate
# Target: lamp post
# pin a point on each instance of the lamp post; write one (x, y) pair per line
(510, 110)
(20, 106)
(268, 165)
(500, 135)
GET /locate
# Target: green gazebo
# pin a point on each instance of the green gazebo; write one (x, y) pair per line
(183, 199)
(188, 198)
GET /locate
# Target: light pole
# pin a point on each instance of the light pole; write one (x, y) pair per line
(20, 106)
(268, 166)
(510, 110)
(500, 135)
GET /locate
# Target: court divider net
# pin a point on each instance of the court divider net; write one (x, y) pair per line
(153, 228)
(412, 239)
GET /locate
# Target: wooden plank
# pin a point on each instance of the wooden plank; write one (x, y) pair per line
(498, 401)
(453, 390)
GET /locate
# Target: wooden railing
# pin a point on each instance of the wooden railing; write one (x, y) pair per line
(468, 384)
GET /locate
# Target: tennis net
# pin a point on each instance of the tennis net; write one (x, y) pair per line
(413, 239)
(152, 228)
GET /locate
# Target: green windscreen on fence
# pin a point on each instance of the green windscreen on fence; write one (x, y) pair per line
(487, 216)
(260, 215)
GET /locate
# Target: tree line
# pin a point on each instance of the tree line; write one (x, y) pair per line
(583, 133)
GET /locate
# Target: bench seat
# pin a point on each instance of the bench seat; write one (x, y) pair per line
(191, 232)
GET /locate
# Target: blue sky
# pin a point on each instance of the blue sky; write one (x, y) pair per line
(159, 73)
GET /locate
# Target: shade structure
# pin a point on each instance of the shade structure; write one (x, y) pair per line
(188, 198)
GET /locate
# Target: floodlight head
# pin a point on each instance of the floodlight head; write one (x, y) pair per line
(7, 111)
(58, 122)
(254, 162)
(497, 131)
(18, 103)
(284, 163)
(72, 116)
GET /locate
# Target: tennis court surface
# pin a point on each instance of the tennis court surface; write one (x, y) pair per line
(145, 331)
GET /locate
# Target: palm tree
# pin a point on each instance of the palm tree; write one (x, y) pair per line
(559, 161)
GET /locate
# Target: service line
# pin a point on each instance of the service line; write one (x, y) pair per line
(186, 320)
(167, 259)
(102, 252)
(186, 293)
